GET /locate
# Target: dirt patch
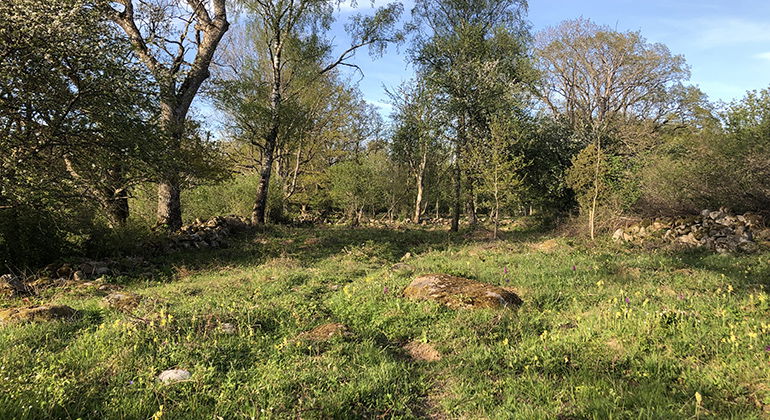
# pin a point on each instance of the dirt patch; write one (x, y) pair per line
(459, 292)
(423, 352)
(547, 246)
(325, 332)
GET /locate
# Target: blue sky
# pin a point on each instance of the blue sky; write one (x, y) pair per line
(726, 43)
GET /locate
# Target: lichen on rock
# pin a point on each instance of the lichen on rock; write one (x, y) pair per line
(459, 292)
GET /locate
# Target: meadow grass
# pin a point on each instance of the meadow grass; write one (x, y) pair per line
(606, 331)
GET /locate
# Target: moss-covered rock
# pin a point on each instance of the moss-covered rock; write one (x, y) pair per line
(37, 314)
(459, 292)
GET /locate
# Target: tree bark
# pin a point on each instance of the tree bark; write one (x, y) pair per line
(420, 178)
(260, 204)
(457, 190)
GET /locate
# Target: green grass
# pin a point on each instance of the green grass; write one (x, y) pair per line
(627, 333)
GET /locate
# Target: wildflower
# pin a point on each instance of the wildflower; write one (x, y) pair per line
(505, 270)
(385, 289)
(574, 268)
(628, 301)
(767, 349)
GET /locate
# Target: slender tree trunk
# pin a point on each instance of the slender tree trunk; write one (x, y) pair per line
(117, 209)
(458, 176)
(592, 213)
(471, 203)
(260, 204)
(457, 192)
(420, 176)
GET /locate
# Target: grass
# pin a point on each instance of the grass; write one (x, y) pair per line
(605, 332)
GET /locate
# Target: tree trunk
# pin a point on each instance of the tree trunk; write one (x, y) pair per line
(169, 188)
(592, 213)
(472, 217)
(457, 189)
(260, 204)
(420, 176)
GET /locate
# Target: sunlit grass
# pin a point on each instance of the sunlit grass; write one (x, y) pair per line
(604, 332)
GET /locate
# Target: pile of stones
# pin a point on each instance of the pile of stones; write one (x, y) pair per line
(719, 230)
(212, 233)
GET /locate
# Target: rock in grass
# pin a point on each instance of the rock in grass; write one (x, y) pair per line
(122, 301)
(37, 314)
(459, 292)
(13, 286)
(174, 375)
(228, 328)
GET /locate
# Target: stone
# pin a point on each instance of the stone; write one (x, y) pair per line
(37, 314)
(402, 266)
(228, 328)
(618, 235)
(14, 287)
(171, 376)
(64, 271)
(459, 292)
(325, 332)
(102, 271)
(78, 276)
(122, 301)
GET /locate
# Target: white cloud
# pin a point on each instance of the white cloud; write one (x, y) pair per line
(763, 56)
(720, 32)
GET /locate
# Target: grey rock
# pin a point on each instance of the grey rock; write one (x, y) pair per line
(174, 375)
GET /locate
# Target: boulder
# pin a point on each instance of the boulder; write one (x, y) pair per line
(122, 301)
(174, 375)
(37, 314)
(459, 292)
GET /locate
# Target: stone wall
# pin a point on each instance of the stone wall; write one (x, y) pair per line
(719, 230)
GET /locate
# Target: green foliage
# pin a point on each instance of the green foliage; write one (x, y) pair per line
(711, 167)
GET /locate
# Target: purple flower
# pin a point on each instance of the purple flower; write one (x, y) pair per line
(385, 289)
(574, 268)
(628, 300)
(130, 382)
(507, 280)
(505, 270)
(680, 297)
(767, 349)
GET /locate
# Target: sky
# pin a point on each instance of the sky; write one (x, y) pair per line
(725, 42)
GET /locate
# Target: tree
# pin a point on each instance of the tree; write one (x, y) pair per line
(165, 34)
(499, 168)
(601, 80)
(74, 106)
(417, 136)
(475, 55)
(284, 28)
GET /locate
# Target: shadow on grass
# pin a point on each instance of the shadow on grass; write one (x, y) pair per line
(310, 245)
